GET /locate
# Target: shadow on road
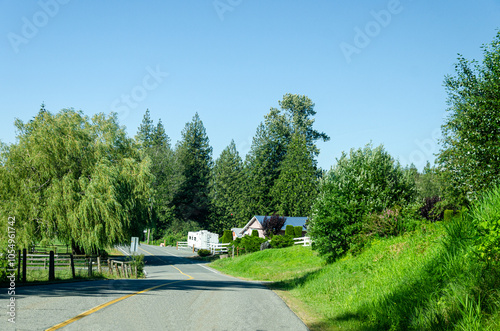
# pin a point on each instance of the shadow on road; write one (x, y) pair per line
(121, 287)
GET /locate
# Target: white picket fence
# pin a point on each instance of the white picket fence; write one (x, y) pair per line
(304, 241)
(218, 248)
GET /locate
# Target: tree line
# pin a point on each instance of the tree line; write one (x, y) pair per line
(83, 181)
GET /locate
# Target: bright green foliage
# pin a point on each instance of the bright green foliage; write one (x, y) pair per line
(297, 185)
(425, 280)
(76, 179)
(428, 183)
(449, 214)
(471, 135)
(282, 241)
(297, 231)
(486, 219)
(367, 180)
(227, 190)
(255, 233)
(289, 230)
(249, 243)
(227, 237)
(192, 200)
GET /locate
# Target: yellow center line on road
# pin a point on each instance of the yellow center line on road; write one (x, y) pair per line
(190, 277)
(93, 310)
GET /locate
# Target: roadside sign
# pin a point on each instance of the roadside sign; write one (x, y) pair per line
(134, 244)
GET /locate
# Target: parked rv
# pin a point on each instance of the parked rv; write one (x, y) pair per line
(202, 239)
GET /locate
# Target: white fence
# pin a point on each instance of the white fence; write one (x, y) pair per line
(218, 248)
(182, 244)
(304, 241)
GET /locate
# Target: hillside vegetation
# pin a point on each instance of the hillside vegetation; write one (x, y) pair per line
(423, 280)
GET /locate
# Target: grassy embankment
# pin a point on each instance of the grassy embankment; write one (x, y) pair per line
(425, 280)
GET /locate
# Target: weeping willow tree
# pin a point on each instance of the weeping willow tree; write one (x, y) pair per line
(75, 179)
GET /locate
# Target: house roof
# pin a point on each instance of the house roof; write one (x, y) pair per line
(237, 231)
(295, 221)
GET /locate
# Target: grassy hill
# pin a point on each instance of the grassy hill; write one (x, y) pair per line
(425, 280)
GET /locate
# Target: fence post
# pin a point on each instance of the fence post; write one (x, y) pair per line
(18, 265)
(24, 265)
(52, 275)
(99, 264)
(177, 245)
(110, 268)
(72, 264)
(90, 266)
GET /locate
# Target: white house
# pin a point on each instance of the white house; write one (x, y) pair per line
(256, 224)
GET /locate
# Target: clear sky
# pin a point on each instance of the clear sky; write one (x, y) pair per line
(374, 69)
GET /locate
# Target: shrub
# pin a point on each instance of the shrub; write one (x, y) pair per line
(367, 180)
(289, 230)
(249, 243)
(297, 232)
(171, 238)
(255, 233)
(428, 210)
(273, 224)
(281, 241)
(137, 261)
(384, 224)
(449, 214)
(227, 237)
(486, 220)
(204, 252)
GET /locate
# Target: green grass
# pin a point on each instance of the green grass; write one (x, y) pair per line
(272, 264)
(426, 280)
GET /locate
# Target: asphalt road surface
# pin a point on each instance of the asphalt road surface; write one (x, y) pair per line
(178, 294)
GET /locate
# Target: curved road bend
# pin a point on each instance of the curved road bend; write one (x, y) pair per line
(178, 294)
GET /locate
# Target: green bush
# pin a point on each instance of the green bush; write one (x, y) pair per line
(289, 230)
(281, 241)
(204, 252)
(486, 219)
(249, 243)
(449, 214)
(367, 180)
(297, 232)
(171, 238)
(137, 261)
(255, 233)
(227, 237)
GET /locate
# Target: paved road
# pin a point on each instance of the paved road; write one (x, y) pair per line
(178, 294)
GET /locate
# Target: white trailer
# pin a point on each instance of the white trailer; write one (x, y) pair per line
(202, 239)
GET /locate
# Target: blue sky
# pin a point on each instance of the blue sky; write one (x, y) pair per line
(374, 69)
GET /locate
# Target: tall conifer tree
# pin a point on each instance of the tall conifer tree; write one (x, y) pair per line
(192, 200)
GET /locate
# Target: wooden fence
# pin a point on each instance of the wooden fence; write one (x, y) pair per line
(87, 264)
